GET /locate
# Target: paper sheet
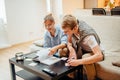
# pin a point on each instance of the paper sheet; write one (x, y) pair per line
(45, 58)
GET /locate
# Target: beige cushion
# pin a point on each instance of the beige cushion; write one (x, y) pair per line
(105, 69)
(39, 43)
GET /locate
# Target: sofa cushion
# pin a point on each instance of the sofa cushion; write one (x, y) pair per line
(39, 43)
(105, 69)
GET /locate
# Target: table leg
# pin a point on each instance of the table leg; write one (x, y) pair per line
(79, 75)
(12, 69)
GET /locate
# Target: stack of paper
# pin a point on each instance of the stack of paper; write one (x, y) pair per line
(45, 58)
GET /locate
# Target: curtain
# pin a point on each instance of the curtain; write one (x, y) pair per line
(2, 11)
(3, 22)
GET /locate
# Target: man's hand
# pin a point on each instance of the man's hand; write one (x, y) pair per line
(73, 62)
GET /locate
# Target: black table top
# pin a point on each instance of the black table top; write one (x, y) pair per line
(58, 67)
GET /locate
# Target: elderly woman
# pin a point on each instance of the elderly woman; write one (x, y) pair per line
(54, 37)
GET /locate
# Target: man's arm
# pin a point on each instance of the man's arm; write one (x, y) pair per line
(97, 55)
(72, 53)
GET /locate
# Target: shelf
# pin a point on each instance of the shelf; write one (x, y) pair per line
(27, 75)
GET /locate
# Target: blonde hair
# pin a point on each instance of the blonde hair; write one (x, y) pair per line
(49, 17)
(69, 21)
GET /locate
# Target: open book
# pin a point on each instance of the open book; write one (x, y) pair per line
(44, 58)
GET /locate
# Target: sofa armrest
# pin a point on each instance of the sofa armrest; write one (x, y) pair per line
(89, 69)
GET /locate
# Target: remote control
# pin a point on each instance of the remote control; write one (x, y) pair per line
(36, 59)
(49, 72)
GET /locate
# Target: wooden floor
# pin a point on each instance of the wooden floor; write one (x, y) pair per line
(7, 53)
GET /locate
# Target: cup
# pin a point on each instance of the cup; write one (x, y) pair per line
(19, 56)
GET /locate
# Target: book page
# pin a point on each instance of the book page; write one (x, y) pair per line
(43, 54)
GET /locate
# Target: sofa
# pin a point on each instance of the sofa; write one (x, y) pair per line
(108, 29)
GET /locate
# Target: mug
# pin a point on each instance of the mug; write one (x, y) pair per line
(19, 56)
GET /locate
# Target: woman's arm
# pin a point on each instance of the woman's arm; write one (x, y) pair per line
(55, 48)
(47, 41)
(63, 42)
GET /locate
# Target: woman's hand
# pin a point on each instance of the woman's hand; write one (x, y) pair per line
(52, 51)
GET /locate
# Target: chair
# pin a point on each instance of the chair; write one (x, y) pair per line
(98, 11)
(115, 11)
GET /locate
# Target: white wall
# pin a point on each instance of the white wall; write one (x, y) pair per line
(69, 6)
(88, 4)
(24, 19)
